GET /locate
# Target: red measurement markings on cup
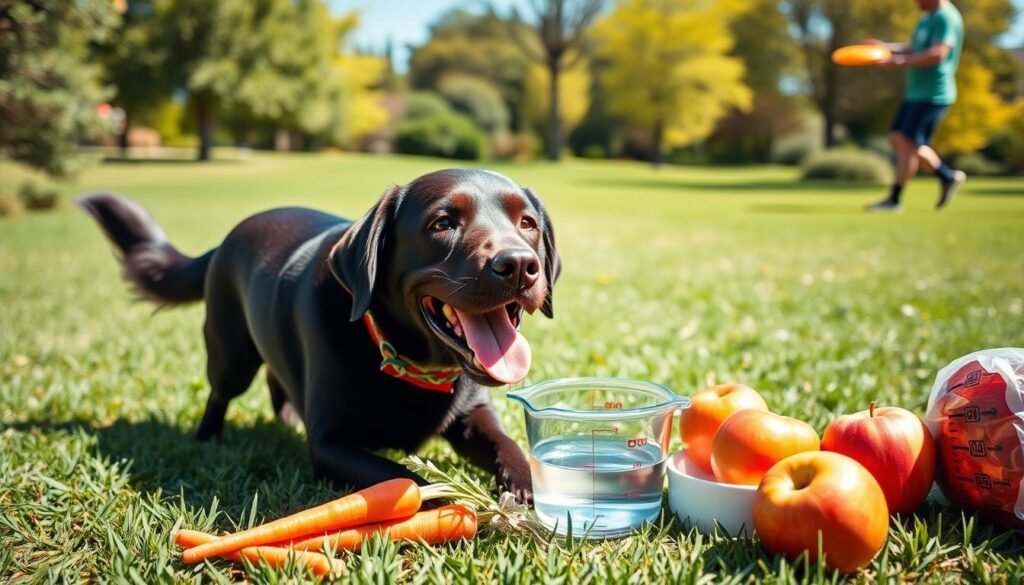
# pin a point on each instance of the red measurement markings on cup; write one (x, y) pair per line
(596, 404)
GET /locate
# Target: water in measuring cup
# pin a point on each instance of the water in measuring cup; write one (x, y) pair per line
(607, 484)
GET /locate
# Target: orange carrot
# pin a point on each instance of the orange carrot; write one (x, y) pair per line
(388, 500)
(444, 524)
(319, 563)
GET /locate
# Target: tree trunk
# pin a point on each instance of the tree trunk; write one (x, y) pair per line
(554, 123)
(658, 137)
(205, 123)
(829, 137)
(828, 106)
(831, 89)
(122, 138)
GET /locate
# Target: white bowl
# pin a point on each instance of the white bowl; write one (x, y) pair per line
(695, 496)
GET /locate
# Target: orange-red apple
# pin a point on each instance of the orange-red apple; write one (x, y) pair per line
(750, 441)
(824, 493)
(708, 410)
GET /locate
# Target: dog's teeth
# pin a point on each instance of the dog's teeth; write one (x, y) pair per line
(458, 330)
(449, 313)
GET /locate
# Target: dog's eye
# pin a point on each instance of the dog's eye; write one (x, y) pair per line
(527, 223)
(442, 224)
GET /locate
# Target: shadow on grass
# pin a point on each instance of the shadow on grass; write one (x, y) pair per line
(800, 209)
(114, 160)
(265, 456)
(730, 187)
(1007, 191)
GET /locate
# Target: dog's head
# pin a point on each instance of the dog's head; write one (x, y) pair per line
(463, 251)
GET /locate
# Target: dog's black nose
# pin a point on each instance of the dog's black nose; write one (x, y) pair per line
(516, 267)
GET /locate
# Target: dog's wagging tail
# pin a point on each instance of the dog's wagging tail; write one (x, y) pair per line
(156, 270)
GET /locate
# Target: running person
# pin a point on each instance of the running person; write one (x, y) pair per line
(931, 58)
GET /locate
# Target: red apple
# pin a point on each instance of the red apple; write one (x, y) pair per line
(894, 445)
(820, 493)
(708, 410)
(750, 441)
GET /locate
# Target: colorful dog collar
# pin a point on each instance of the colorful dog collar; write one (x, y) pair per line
(394, 364)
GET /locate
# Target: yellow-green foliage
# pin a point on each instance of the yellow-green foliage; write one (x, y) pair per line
(669, 65)
(976, 115)
(364, 112)
(574, 92)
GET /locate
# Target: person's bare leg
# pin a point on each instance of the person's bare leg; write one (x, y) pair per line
(929, 157)
(906, 160)
(906, 166)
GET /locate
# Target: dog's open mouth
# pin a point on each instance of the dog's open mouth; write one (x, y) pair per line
(489, 341)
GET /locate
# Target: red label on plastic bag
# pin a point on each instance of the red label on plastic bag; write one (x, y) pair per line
(980, 455)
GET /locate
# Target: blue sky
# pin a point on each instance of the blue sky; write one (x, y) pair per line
(406, 21)
(403, 21)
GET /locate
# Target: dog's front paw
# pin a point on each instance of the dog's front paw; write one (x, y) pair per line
(513, 475)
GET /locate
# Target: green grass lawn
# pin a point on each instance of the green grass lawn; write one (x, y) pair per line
(683, 276)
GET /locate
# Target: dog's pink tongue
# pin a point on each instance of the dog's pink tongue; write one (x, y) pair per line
(503, 351)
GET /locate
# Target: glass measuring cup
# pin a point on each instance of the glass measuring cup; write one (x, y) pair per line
(597, 451)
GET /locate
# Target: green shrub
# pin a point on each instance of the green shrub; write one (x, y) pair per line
(975, 163)
(35, 197)
(446, 135)
(424, 104)
(594, 151)
(848, 165)
(476, 98)
(792, 154)
(8, 205)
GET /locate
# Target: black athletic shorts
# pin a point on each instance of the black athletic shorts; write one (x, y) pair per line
(918, 120)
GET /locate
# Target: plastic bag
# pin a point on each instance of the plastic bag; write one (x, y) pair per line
(976, 414)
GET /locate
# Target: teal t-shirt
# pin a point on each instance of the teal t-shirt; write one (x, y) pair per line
(937, 84)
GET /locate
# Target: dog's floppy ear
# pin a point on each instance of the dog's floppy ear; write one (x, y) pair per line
(552, 262)
(355, 258)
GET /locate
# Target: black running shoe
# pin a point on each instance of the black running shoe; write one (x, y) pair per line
(884, 206)
(948, 188)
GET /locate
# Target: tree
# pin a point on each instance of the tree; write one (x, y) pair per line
(134, 63)
(342, 95)
(49, 90)
(984, 22)
(822, 26)
(575, 94)
(668, 67)
(1012, 137)
(558, 29)
(765, 46)
(462, 43)
(977, 114)
(264, 59)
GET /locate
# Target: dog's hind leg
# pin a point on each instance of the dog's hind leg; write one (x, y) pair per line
(232, 362)
(279, 400)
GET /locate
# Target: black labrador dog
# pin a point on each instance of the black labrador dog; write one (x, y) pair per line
(379, 333)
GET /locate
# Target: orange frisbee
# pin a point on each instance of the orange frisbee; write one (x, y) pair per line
(860, 55)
